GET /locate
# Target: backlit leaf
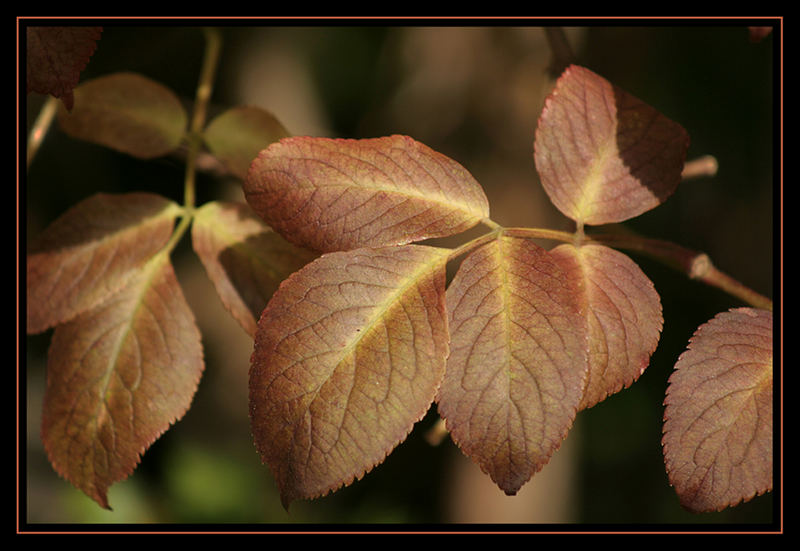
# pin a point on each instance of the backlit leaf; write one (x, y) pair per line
(718, 418)
(243, 257)
(117, 377)
(127, 112)
(348, 356)
(91, 251)
(624, 316)
(329, 195)
(237, 135)
(55, 57)
(604, 156)
(518, 358)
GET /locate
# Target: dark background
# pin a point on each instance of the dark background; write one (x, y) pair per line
(473, 93)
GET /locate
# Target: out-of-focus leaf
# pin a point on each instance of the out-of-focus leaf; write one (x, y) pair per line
(718, 417)
(329, 195)
(604, 156)
(518, 358)
(348, 356)
(624, 316)
(127, 112)
(117, 377)
(239, 134)
(55, 58)
(91, 251)
(243, 257)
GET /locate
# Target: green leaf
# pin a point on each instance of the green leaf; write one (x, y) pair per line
(329, 195)
(518, 358)
(348, 356)
(243, 257)
(92, 251)
(127, 112)
(237, 135)
(117, 377)
(718, 417)
(602, 155)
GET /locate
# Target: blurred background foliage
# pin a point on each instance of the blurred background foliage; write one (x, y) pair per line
(474, 94)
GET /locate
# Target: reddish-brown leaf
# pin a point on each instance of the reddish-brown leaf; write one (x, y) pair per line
(127, 112)
(518, 358)
(604, 156)
(624, 316)
(243, 257)
(55, 58)
(329, 195)
(91, 251)
(117, 377)
(237, 135)
(718, 417)
(348, 356)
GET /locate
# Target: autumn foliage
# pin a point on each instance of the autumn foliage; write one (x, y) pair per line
(357, 331)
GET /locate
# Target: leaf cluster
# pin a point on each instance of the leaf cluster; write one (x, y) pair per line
(357, 331)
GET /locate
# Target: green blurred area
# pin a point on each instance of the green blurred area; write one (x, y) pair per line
(473, 94)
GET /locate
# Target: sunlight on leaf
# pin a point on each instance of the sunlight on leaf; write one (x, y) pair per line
(718, 418)
(624, 316)
(518, 358)
(91, 251)
(243, 257)
(55, 58)
(239, 134)
(127, 112)
(602, 155)
(329, 195)
(117, 377)
(348, 356)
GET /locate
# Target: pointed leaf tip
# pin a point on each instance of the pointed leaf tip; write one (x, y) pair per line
(119, 376)
(518, 358)
(329, 195)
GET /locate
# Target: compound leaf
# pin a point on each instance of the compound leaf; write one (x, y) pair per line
(602, 155)
(329, 195)
(55, 58)
(91, 251)
(348, 355)
(624, 316)
(718, 417)
(126, 112)
(243, 257)
(518, 358)
(117, 377)
(237, 135)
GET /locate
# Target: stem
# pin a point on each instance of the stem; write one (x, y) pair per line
(204, 89)
(695, 264)
(40, 127)
(203, 95)
(700, 167)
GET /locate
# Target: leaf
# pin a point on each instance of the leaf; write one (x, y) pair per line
(348, 356)
(329, 195)
(92, 251)
(604, 156)
(117, 377)
(718, 417)
(55, 58)
(518, 358)
(126, 112)
(243, 257)
(624, 316)
(239, 134)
